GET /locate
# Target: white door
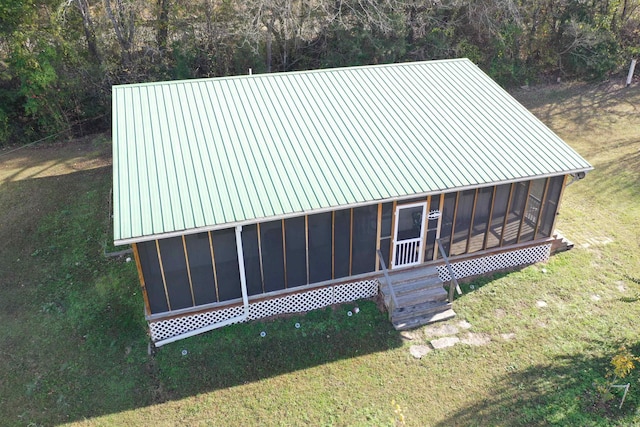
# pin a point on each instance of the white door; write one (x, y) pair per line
(409, 229)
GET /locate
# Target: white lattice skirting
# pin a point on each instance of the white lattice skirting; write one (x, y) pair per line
(476, 266)
(294, 303)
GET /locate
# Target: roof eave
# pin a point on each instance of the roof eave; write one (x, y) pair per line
(204, 229)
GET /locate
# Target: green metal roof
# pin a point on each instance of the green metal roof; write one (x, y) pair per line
(202, 154)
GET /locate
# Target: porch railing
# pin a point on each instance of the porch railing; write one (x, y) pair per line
(386, 277)
(533, 209)
(453, 283)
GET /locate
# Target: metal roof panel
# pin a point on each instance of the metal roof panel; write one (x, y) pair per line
(208, 153)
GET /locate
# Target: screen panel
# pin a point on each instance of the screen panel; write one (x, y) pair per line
(272, 255)
(432, 227)
(448, 210)
(480, 218)
(152, 276)
(251, 255)
(342, 236)
(226, 259)
(550, 206)
(296, 251)
(462, 222)
(500, 205)
(201, 267)
(175, 273)
(533, 208)
(365, 225)
(320, 240)
(516, 212)
(385, 223)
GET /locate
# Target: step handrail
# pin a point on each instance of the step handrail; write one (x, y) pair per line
(386, 276)
(453, 280)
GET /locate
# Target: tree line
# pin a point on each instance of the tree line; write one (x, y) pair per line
(59, 58)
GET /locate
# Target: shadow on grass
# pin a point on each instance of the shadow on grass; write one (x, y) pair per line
(584, 103)
(240, 354)
(73, 344)
(561, 393)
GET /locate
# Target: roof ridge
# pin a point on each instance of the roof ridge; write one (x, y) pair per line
(280, 74)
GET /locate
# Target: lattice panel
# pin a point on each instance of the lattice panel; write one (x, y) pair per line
(294, 303)
(168, 328)
(354, 291)
(500, 261)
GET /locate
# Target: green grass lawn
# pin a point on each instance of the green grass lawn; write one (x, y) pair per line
(73, 343)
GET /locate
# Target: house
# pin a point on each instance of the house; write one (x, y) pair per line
(251, 196)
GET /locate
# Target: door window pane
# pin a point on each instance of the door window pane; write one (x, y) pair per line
(409, 223)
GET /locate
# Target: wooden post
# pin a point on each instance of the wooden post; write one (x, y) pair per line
(284, 255)
(490, 220)
(524, 211)
(333, 244)
(506, 214)
(136, 257)
(631, 70)
(164, 280)
(213, 264)
(453, 223)
(186, 261)
(306, 243)
(441, 209)
(542, 204)
(392, 240)
(350, 239)
(378, 230)
(473, 218)
(555, 217)
(260, 257)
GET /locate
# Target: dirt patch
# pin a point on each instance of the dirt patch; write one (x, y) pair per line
(54, 159)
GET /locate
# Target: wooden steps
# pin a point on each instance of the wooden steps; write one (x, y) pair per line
(420, 295)
(560, 243)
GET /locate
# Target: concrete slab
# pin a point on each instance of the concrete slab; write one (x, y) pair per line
(440, 330)
(445, 342)
(476, 339)
(419, 351)
(464, 324)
